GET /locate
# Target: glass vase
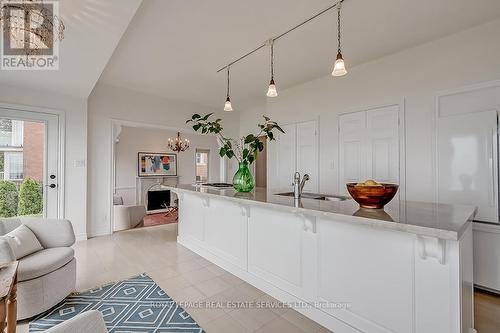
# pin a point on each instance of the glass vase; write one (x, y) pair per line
(243, 179)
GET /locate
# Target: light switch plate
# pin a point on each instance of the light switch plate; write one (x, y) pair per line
(79, 163)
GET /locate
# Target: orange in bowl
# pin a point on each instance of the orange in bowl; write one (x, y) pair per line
(372, 194)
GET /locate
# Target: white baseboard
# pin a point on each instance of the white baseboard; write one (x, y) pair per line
(81, 237)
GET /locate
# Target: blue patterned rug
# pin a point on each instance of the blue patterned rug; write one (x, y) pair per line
(134, 305)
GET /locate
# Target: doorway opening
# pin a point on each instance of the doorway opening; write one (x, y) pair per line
(261, 165)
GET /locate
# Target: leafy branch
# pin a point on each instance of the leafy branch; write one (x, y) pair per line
(246, 149)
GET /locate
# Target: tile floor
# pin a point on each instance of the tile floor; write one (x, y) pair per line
(185, 276)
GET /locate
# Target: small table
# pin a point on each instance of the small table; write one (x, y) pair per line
(8, 294)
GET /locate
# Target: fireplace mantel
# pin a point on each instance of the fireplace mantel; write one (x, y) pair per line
(144, 184)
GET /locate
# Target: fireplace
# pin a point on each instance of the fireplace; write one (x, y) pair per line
(158, 200)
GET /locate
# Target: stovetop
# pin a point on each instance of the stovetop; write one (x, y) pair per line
(218, 185)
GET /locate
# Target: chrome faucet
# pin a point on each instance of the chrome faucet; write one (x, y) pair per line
(298, 185)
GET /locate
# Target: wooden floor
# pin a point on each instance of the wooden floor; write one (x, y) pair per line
(487, 312)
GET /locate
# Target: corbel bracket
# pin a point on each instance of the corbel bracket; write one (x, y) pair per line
(431, 247)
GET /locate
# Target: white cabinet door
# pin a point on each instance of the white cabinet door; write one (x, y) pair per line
(382, 146)
(286, 156)
(467, 158)
(352, 149)
(307, 154)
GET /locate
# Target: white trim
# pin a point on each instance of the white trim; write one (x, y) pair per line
(435, 132)
(61, 115)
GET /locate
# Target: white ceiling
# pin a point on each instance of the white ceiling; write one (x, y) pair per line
(173, 48)
(93, 29)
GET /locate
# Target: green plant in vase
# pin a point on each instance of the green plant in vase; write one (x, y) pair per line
(245, 149)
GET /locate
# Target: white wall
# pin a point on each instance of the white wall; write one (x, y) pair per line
(133, 140)
(107, 103)
(75, 110)
(412, 77)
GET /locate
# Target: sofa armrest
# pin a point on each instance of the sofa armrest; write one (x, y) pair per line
(89, 321)
(50, 232)
(6, 254)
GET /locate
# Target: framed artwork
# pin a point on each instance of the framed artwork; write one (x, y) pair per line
(157, 164)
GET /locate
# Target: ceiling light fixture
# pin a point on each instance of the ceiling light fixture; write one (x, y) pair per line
(271, 91)
(177, 144)
(339, 67)
(227, 106)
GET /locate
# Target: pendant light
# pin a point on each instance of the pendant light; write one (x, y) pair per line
(339, 68)
(227, 106)
(271, 91)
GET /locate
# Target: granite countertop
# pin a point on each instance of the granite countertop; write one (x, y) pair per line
(442, 221)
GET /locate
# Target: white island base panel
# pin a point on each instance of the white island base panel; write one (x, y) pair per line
(357, 278)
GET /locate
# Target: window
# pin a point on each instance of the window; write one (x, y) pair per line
(11, 133)
(13, 165)
(201, 160)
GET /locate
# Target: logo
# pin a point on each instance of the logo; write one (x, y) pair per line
(31, 34)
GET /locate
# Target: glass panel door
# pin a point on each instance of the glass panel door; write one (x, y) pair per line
(29, 164)
(202, 161)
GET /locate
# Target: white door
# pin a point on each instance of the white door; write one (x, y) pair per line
(352, 149)
(29, 156)
(286, 156)
(468, 162)
(382, 144)
(307, 154)
(369, 146)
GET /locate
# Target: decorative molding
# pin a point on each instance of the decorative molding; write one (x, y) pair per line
(431, 247)
(309, 222)
(245, 210)
(205, 202)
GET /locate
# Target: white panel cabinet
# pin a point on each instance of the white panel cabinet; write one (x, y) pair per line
(297, 150)
(468, 162)
(369, 146)
(226, 231)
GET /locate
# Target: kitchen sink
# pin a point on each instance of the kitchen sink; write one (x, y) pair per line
(315, 196)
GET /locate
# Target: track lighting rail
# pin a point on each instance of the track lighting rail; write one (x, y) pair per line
(338, 3)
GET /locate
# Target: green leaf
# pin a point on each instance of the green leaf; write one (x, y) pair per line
(195, 116)
(245, 153)
(279, 128)
(266, 118)
(249, 138)
(196, 127)
(206, 117)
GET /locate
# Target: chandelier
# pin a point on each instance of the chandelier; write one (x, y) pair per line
(177, 144)
(30, 25)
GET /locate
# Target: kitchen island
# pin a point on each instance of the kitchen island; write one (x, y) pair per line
(405, 269)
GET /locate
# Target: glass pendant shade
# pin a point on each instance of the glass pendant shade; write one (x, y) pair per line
(272, 92)
(339, 68)
(228, 106)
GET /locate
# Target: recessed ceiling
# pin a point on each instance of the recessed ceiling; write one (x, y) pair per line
(93, 29)
(173, 48)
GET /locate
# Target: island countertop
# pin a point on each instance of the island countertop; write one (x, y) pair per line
(443, 221)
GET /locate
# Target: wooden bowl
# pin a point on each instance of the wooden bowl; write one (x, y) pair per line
(373, 197)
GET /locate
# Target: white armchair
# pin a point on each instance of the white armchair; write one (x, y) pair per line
(86, 322)
(126, 216)
(45, 277)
